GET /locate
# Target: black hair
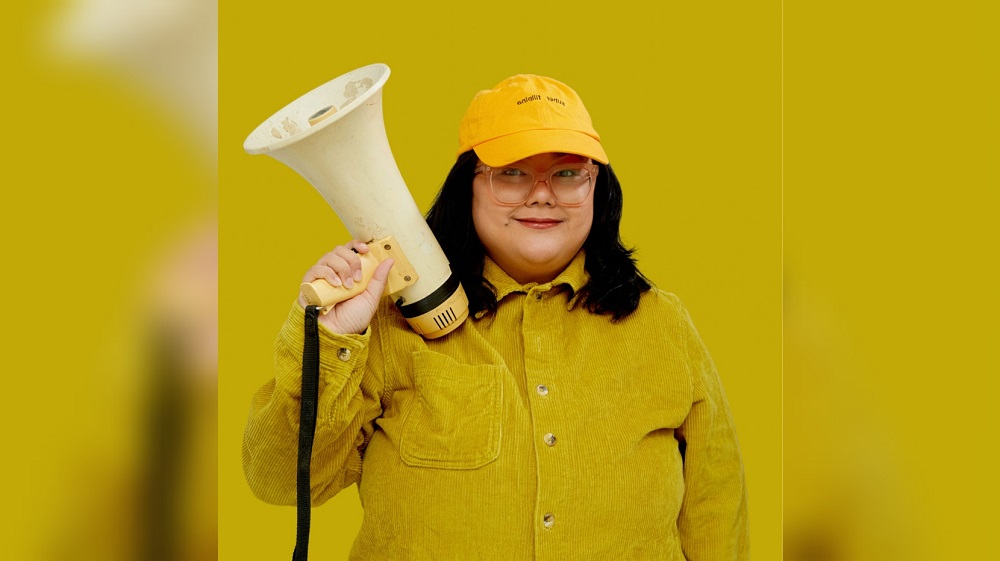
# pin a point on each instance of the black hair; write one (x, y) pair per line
(615, 283)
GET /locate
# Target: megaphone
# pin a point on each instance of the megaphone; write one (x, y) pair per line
(334, 137)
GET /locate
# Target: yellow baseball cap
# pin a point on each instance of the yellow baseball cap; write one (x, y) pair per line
(526, 115)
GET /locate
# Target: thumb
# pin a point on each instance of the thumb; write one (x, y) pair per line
(379, 278)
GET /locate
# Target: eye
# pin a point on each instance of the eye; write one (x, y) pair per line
(512, 172)
(568, 173)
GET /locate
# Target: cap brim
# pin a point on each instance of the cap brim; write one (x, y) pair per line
(513, 147)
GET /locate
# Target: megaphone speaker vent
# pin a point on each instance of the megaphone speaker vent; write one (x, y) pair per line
(445, 318)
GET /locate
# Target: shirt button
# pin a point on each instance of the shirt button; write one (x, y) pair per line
(549, 439)
(538, 296)
(542, 389)
(549, 520)
(344, 355)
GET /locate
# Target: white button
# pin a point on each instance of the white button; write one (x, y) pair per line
(344, 355)
(549, 439)
(549, 520)
(542, 389)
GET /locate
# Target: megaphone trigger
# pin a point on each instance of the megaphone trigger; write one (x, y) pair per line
(402, 274)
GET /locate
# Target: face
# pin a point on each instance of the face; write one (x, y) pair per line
(536, 240)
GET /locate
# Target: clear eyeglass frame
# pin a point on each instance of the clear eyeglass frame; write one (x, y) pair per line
(546, 177)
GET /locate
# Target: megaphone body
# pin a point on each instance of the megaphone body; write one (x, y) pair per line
(334, 136)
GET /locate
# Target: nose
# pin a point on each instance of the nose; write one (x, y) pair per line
(540, 196)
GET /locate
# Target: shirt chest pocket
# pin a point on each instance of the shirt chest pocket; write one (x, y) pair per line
(453, 421)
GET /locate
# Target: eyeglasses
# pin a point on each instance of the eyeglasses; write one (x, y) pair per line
(512, 185)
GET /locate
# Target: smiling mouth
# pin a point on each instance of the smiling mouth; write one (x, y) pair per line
(538, 223)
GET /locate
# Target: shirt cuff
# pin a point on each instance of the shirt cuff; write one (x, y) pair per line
(339, 354)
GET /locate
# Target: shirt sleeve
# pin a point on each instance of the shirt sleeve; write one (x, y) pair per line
(351, 382)
(713, 521)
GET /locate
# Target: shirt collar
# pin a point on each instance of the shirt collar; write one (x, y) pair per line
(574, 276)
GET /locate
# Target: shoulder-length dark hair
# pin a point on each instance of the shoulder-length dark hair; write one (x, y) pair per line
(615, 282)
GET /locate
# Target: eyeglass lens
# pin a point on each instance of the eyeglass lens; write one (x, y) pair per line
(570, 184)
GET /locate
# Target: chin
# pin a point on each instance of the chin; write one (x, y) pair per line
(542, 257)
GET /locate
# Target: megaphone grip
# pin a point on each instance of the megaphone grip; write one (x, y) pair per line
(321, 293)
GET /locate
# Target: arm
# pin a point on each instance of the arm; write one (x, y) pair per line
(713, 520)
(351, 383)
(349, 402)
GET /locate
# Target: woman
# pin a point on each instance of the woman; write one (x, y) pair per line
(575, 415)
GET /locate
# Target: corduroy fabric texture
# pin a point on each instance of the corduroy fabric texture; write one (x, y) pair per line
(543, 432)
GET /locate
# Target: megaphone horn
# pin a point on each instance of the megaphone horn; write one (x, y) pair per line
(334, 137)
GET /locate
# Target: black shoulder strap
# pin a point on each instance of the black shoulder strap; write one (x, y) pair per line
(307, 430)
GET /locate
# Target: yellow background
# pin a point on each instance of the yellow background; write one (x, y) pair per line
(891, 180)
(687, 100)
(106, 186)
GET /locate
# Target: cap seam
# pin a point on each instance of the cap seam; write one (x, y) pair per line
(597, 138)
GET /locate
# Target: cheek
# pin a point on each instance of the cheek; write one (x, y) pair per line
(486, 224)
(479, 215)
(586, 222)
(485, 215)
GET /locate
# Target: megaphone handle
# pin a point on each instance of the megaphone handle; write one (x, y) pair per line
(323, 294)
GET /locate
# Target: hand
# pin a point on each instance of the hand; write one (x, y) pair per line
(342, 267)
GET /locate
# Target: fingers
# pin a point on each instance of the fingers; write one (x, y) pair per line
(377, 285)
(382, 271)
(346, 263)
(340, 267)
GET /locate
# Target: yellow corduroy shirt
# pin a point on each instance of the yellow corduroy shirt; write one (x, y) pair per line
(544, 432)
